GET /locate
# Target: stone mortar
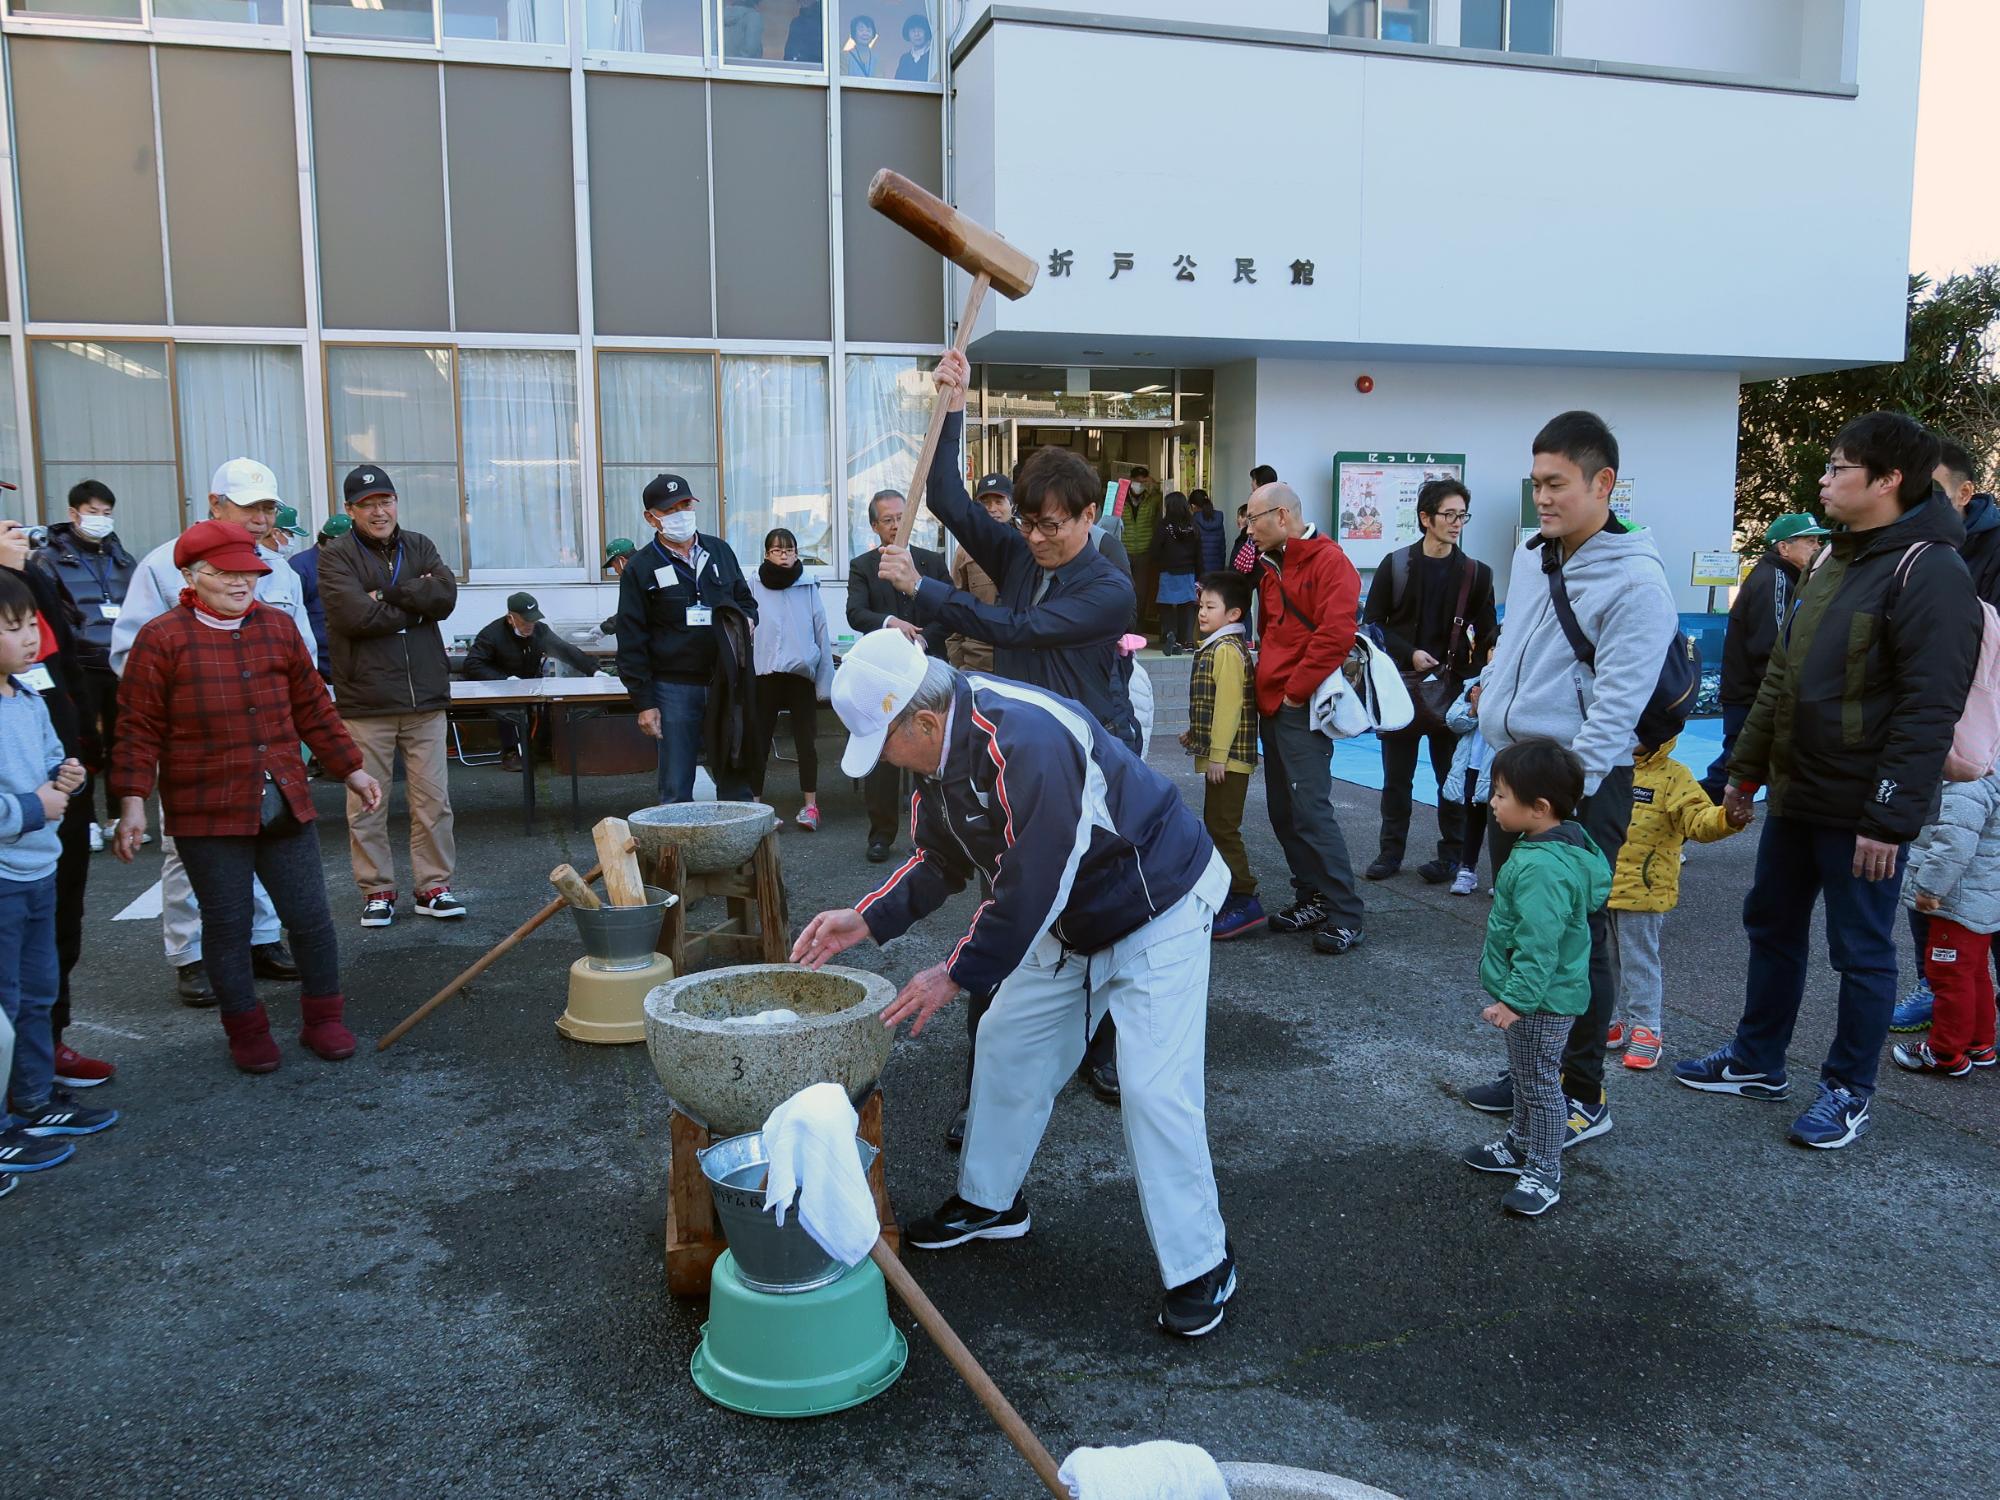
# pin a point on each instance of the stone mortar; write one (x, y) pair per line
(1274, 1482)
(712, 836)
(732, 1077)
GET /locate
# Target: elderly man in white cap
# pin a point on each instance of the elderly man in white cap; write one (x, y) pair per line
(1104, 886)
(245, 492)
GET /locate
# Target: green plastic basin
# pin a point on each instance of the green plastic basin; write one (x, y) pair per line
(802, 1355)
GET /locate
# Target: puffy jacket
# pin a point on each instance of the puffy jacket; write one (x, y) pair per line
(1082, 843)
(1306, 598)
(1763, 607)
(1471, 753)
(1851, 726)
(1537, 955)
(305, 563)
(1177, 549)
(498, 653)
(792, 634)
(90, 575)
(1214, 541)
(655, 641)
(1957, 858)
(1982, 547)
(387, 654)
(1668, 808)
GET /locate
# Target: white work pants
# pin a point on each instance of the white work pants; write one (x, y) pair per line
(180, 917)
(1155, 983)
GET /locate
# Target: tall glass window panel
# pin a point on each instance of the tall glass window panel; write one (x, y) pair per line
(505, 20)
(77, 10)
(243, 401)
(373, 20)
(887, 411)
(10, 430)
(1531, 27)
(1352, 17)
(523, 476)
(1483, 23)
(664, 28)
(395, 408)
(1406, 20)
(656, 415)
(105, 411)
(892, 39)
(776, 453)
(239, 12)
(772, 33)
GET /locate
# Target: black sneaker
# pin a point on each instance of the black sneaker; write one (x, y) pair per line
(1306, 914)
(1437, 871)
(1382, 869)
(191, 984)
(21, 1152)
(878, 852)
(62, 1115)
(1335, 940)
(1531, 1197)
(954, 1135)
(1195, 1307)
(8, 1182)
(440, 903)
(1102, 1081)
(957, 1222)
(273, 961)
(1496, 1156)
(1494, 1098)
(379, 910)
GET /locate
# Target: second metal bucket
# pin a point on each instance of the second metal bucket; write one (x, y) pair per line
(621, 937)
(768, 1258)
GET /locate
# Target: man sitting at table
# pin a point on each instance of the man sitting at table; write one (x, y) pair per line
(519, 644)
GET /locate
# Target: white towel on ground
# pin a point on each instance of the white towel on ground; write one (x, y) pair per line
(1144, 1471)
(810, 1141)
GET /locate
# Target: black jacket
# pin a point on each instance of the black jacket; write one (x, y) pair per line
(655, 641)
(497, 653)
(870, 601)
(1856, 712)
(1412, 621)
(90, 575)
(1763, 604)
(730, 746)
(65, 701)
(1982, 547)
(1176, 550)
(387, 654)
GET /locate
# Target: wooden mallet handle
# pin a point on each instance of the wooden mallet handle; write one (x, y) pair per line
(913, 502)
(565, 879)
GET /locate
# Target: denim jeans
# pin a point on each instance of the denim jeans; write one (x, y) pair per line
(29, 978)
(223, 870)
(1797, 862)
(680, 705)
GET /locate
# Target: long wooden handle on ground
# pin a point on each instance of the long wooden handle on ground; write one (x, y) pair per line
(505, 945)
(998, 1407)
(913, 502)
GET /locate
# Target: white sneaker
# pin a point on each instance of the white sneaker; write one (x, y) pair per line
(96, 839)
(1465, 882)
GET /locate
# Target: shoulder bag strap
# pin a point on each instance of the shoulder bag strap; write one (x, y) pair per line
(1458, 615)
(1285, 599)
(1579, 644)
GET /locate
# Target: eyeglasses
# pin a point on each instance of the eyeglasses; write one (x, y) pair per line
(1049, 529)
(1840, 468)
(1453, 517)
(1258, 515)
(380, 504)
(781, 552)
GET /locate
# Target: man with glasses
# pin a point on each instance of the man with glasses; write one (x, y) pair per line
(1433, 603)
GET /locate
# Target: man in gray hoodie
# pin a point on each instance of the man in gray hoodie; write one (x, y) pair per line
(1617, 587)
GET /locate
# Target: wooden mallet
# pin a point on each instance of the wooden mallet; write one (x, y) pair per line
(972, 247)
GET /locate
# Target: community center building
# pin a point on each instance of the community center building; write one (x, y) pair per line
(525, 254)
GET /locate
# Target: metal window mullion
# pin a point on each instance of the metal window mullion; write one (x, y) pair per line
(708, 141)
(444, 175)
(312, 364)
(160, 181)
(836, 405)
(590, 475)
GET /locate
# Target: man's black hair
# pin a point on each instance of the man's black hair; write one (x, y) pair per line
(1433, 494)
(17, 600)
(1230, 586)
(82, 493)
(1262, 475)
(1140, 471)
(1539, 769)
(1887, 442)
(1056, 477)
(1583, 439)
(1951, 455)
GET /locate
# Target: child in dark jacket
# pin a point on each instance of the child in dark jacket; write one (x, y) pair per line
(1537, 960)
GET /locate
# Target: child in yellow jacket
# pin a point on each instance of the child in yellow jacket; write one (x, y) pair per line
(1222, 736)
(1668, 808)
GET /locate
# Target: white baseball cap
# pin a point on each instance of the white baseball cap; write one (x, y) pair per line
(874, 683)
(244, 481)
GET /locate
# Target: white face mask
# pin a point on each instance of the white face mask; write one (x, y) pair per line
(97, 528)
(678, 527)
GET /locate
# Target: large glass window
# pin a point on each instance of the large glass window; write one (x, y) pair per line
(242, 401)
(240, 12)
(776, 459)
(105, 411)
(10, 432)
(667, 28)
(77, 10)
(505, 20)
(374, 20)
(396, 408)
(656, 415)
(888, 39)
(1077, 391)
(523, 478)
(888, 408)
(1388, 20)
(772, 34)
(1509, 25)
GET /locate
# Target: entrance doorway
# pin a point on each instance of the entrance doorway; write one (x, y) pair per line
(1175, 453)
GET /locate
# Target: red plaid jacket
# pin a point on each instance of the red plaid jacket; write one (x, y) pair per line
(210, 711)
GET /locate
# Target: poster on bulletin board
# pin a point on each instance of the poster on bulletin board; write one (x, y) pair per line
(1375, 499)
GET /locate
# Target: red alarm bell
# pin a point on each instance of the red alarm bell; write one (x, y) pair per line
(1364, 383)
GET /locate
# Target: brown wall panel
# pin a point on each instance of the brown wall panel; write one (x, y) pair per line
(649, 206)
(513, 202)
(772, 257)
(894, 284)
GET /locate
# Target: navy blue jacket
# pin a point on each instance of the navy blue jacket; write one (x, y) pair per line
(1082, 842)
(1068, 642)
(655, 641)
(90, 575)
(305, 563)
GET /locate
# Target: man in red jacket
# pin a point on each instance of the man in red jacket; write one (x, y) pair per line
(1308, 595)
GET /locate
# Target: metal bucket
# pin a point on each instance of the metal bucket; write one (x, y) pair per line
(768, 1258)
(617, 938)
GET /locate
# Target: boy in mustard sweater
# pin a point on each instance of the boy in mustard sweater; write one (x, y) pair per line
(1222, 735)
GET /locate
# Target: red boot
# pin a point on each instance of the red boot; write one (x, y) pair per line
(250, 1044)
(323, 1032)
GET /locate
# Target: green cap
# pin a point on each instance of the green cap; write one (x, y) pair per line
(335, 526)
(288, 521)
(618, 546)
(524, 605)
(1791, 528)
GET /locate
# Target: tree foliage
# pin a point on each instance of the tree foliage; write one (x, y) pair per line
(1949, 379)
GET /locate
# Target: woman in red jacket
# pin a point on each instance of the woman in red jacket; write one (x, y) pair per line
(216, 696)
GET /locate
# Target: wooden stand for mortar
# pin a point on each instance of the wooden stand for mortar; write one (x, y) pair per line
(693, 1238)
(758, 929)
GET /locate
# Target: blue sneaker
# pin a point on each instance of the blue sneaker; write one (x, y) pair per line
(1239, 915)
(1913, 1011)
(1837, 1116)
(1718, 1073)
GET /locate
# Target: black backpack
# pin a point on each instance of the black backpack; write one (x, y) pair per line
(1666, 712)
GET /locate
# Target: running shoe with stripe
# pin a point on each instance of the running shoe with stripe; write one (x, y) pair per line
(957, 1222)
(1644, 1051)
(1719, 1073)
(21, 1152)
(62, 1115)
(1837, 1118)
(1195, 1307)
(1917, 1057)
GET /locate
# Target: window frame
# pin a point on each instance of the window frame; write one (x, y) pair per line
(940, 43)
(1507, 32)
(171, 29)
(44, 500)
(597, 353)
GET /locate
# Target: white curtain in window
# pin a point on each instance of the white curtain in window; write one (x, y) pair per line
(523, 478)
(10, 432)
(888, 409)
(657, 415)
(104, 411)
(394, 408)
(243, 401)
(776, 468)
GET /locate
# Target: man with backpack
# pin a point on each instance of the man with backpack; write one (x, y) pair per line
(1850, 734)
(1590, 622)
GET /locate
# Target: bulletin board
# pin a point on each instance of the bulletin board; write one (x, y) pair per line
(1375, 499)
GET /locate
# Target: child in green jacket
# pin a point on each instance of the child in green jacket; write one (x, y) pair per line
(1537, 960)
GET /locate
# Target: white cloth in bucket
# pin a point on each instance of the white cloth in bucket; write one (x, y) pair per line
(810, 1141)
(1144, 1471)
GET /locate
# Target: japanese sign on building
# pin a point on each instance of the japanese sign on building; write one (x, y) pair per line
(1375, 499)
(1063, 263)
